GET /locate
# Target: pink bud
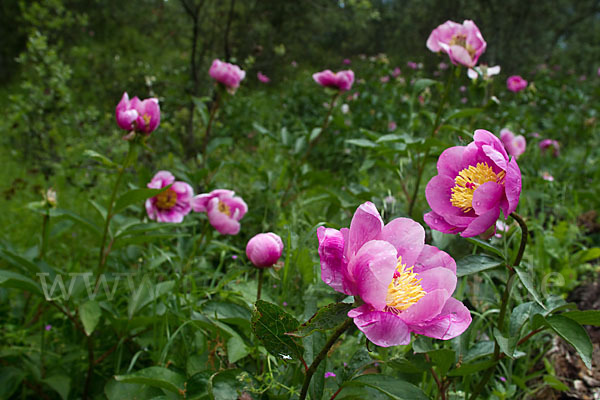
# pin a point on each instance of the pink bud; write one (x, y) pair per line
(264, 249)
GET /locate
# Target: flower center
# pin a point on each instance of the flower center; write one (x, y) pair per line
(468, 180)
(166, 200)
(224, 208)
(147, 119)
(404, 290)
(461, 40)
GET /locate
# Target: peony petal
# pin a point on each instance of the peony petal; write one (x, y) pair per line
(499, 160)
(486, 197)
(460, 55)
(372, 270)
(432, 257)
(366, 225)
(481, 223)
(407, 236)
(383, 328)
(450, 162)
(512, 184)
(438, 223)
(452, 321)
(427, 308)
(438, 278)
(333, 264)
(438, 193)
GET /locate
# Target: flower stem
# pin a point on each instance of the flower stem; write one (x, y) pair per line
(504, 305)
(45, 223)
(109, 213)
(322, 354)
(261, 272)
(434, 131)
(213, 113)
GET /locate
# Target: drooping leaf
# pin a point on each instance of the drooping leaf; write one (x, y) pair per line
(90, 314)
(159, 377)
(101, 158)
(584, 317)
(485, 245)
(325, 318)
(574, 334)
(476, 263)
(392, 387)
(17, 281)
(270, 324)
(361, 143)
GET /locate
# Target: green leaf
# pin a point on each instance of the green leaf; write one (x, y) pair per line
(390, 386)
(421, 84)
(236, 349)
(327, 317)
(486, 246)
(361, 143)
(507, 345)
(86, 223)
(476, 263)
(135, 196)
(465, 112)
(156, 377)
(270, 324)
(520, 314)
(61, 384)
(443, 359)
(131, 391)
(314, 134)
(14, 280)
(529, 285)
(146, 293)
(555, 383)
(225, 385)
(90, 314)
(574, 334)
(471, 368)
(585, 317)
(392, 137)
(101, 158)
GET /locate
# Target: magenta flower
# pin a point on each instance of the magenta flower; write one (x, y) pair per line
(137, 115)
(443, 66)
(412, 65)
(385, 79)
(406, 285)
(347, 61)
(548, 143)
(515, 83)
(228, 74)
(473, 184)
(172, 204)
(463, 43)
(264, 249)
(48, 327)
(392, 126)
(341, 80)
(223, 208)
(330, 375)
(396, 72)
(262, 77)
(515, 145)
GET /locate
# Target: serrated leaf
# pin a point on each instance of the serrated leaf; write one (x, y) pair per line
(476, 263)
(270, 324)
(584, 317)
(325, 318)
(156, 377)
(361, 143)
(90, 314)
(393, 387)
(135, 196)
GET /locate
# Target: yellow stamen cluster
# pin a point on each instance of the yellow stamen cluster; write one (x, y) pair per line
(147, 119)
(224, 208)
(404, 290)
(468, 180)
(461, 40)
(166, 200)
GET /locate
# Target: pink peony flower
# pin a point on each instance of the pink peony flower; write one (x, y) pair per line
(341, 80)
(463, 43)
(515, 145)
(405, 284)
(515, 83)
(264, 249)
(330, 375)
(385, 79)
(228, 74)
(137, 115)
(473, 184)
(396, 72)
(347, 61)
(262, 77)
(172, 204)
(547, 143)
(224, 210)
(412, 65)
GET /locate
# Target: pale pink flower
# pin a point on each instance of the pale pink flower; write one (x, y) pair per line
(412, 65)
(396, 72)
(223, 208)
(229, 75)
(341, 80)
(547, 177)
(550, 143)
(262, 77)
(385, 79)
(464, 43)
(483, 71)
(514, 145)
(170, 205)
(392, 126)
(264, 249)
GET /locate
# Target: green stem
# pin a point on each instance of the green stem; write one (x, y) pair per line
(45, 223)
(504, 305)
(213, 113)
(109, 214)
(315, 364)
(434, 130)
(261, 273)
